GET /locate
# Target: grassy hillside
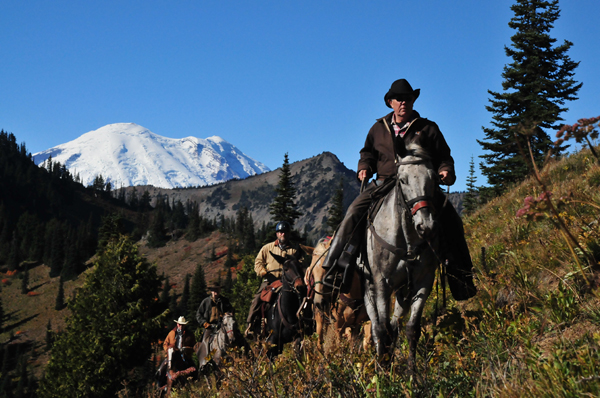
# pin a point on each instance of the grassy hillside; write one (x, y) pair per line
(532, 330)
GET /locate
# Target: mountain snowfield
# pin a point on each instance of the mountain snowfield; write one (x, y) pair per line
(127, 154)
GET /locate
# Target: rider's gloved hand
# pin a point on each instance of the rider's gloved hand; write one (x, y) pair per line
(206, 325)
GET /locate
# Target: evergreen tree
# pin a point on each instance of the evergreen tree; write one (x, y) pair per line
(49, 336)
(25, 280)
(98, 184)
(249, 238)
(228, 284)
(165, 293)
(23, 377)
(72, 250)
(179, 217)
(336, 211)
(185, 296)
(57, 248)
(14, 255)
(193, 228)
(536, 85)
(173, 308)
(283, 207)
(145, 201)
(197, 292)
(230, 261)
(157, 235)
(60, 295)
(134, 201)
(111, 228)
(1, 316)
(111, 328)
(245, 286)
(470, 200)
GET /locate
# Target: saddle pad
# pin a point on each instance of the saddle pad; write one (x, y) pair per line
(267, 294)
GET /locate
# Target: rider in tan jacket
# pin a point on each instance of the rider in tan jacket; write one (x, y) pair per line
(267, 267)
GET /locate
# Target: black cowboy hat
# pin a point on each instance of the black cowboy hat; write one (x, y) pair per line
(214, 287)
(400, 88)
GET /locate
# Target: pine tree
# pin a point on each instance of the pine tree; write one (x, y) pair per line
(110, 331)
(60, 296)
(230, 261)
(249, 238)
(193, 228)
(173, 308)
(1, 316)
(536, 85)
(49, 336)
(14, 255)
(145, 201)
(25, 280)
(185, 296)
(470, 200)
(157, 235)
(165, 293)
(197, 291)
(111, 228)
(245, 286)
(72, 251)
(228, 284)
(283, 207)
(336, 211)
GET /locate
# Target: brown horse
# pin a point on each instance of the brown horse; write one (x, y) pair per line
(347, 309)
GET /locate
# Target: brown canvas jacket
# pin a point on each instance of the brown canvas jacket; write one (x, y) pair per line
(378, 156)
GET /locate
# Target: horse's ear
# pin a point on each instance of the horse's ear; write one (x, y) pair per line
(278, 258)
(400, 147)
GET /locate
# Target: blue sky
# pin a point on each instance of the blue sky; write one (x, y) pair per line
(270, 77)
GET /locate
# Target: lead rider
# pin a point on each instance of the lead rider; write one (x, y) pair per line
(398, 129)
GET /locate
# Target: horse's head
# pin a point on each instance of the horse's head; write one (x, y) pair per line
(316, 273)
(290, 271)
(417, 181)
(228, 325)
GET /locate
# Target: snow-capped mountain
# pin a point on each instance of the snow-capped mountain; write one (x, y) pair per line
(127, 154)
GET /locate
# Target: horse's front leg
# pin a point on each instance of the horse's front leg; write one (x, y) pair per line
(413, 326)
(378, 309)
(320, 328)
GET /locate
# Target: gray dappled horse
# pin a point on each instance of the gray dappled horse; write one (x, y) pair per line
(212, 348)
(399, 256)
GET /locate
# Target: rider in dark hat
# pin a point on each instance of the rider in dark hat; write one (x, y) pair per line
(267, 267)
(384, 141)
(212, 309)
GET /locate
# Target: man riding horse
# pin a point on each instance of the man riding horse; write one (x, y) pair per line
(402, 127)
(212, 309)
(179, 351)
(269, 269)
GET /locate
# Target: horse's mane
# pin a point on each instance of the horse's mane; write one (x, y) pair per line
(322, 246)
(416, 150)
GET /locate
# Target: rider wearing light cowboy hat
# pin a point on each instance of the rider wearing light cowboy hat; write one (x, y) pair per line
(179, 344)
(388, 137)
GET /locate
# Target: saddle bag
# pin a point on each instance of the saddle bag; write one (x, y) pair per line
(267, 294)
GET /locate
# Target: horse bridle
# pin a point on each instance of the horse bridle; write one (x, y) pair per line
(420, 202)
